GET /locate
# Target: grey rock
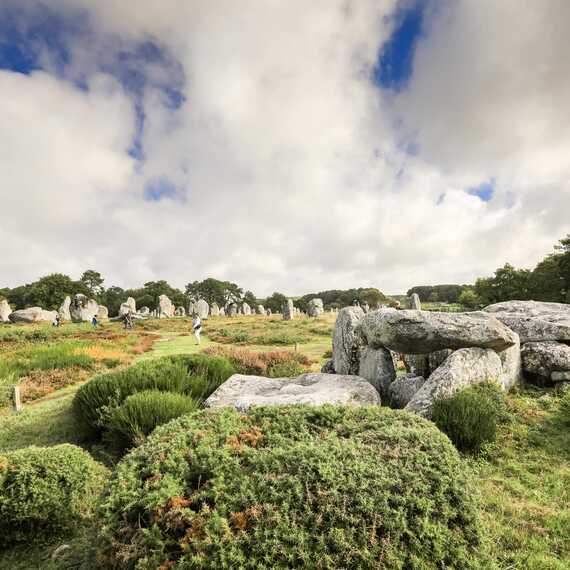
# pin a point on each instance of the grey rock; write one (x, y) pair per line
(246, 309)
(82, 309)
(315, 307)
(202, 309)
(544, 358)
(165, 307)
(512, 365)
(417, 364)
(365, 307)
(437, 358)
(403, 389)
(260, 310)
(288, 310)
(414, 302)
(214, 310)
(5, 311)
(560, 376)
(421, 332)
(222, 312)
(63, 311)
(129, 307)
(102, 313)
(32, 315)
(180, 312)
(377, 367)
(232, 310)
(242, 392)
(269, 312)
(190, 309)
(328, 367)
(464, 368)
(144, 311)
(347, 342)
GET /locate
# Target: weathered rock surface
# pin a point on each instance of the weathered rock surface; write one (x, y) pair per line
(315, 307)
(260, 310)
(417, 364)
(512, 365)
(165, 307)
(377, 367)
(560, 376)
(190, 309)
(232, 310)
(202, 309)
(437, 358)
(421, 332)
(63, 311)
(32, 315)
(403, 389)
(102, 313)
(414, 302)
(347, 342)
(214, 310)
(243, 392)
(328, 367)
(544, 358)
(288, 310)
(534, 321)
(180, 312)
(129, 307)
(5, 311)
(462, 369)
(246, 309)
(82, 309)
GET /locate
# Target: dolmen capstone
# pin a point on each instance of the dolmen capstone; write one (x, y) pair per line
(32, 315)
(82, 309)
(288, 310)
(5, 311)
(242, 392)
(315, 307)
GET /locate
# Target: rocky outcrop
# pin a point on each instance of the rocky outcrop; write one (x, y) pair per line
(414, 302)
(288, 310)
(544, 358)
(377, 367)
(32, 315)
(242, 392)
(129, 307)
(534, 321)
(421, 332)
(5, 311)
(102, 313)
(403, 389)
(165, 307)
(462, 369)
(246, 309)
(63, 311)
(346, 341)
(82, 309)
(315, 307)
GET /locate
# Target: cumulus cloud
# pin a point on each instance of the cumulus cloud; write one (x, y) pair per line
(269, 156)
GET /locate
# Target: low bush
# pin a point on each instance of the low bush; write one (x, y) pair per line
(46, 491)
(141, 413)
(193, 375)
(470, 417)
(292, 487)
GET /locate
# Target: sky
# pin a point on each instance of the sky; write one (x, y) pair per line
(283, 145)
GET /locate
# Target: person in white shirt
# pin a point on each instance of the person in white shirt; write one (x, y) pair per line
(197, 326)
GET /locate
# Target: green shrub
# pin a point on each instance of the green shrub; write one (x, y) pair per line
(293, 487)
(193, 375)
(285, 369)
(139, 414)
(470, 417)
(46, 491)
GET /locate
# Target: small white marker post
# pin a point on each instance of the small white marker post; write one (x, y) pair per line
(17, 399)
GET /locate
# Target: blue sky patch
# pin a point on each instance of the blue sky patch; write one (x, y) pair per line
(394, 66)
(483, 191)
(162, 189)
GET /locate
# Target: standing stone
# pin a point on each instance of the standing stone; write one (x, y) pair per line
(346, 342)
(64, 313)
(414, 302)
(268, 312)
(202, 309)
(403, 389)
(377, 367)
(365, 307)
(246, 308)
(5, 311)
(82, 309)
(165, 307)
(315, 307)
(191, 309)
(180, 312)
(260, 310)
(512, 365)
(464, 368)
(32, 315)
(544, 358)
(214, 310)
(437, 358)
(129, 307)
(222, 312)
(144, 311)
(232, 310)
(288, 310)
(102, 313)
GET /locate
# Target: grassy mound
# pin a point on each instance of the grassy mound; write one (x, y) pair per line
(46, 491)
(298, 487)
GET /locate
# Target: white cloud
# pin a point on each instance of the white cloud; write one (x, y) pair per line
(287, 154)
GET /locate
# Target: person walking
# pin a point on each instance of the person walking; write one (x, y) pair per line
(94, 321)
(197, 326)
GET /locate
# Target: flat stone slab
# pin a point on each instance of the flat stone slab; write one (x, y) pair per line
(32, 315)
(545, 358)
(422, 332)
(242, 391)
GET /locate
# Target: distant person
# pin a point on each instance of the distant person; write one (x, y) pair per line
(197, 326)
(127, 321)
(94, 321)
(57, 321)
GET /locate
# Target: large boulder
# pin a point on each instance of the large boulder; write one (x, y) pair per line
(315, 307)
(165, 307)
(534, 321)
(63, 311)
(422, 332)
(462, 369)
(5, 311)
(102, 313)
(32, 315)
(417, 364)
(377, 367)
(214, 310)
(260, 310)
(288, 310)
(414, 302)
(82, 309)
(346, 341)
(129, 307)
(544, 358)
(437, 358)
(202, 309)
(512, 365)
(246, 309)
(242, 392)
(403, 389)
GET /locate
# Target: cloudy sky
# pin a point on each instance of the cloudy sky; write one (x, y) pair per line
(282, 144)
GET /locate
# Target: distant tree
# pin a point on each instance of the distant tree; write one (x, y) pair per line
(112, 299)
(214, 291)
(433, 296)
(563, 250)
(275, 302)
(372, 296)
(546, 282)
(93, 281)
(469, 299)
(250, 299)
(153, 290)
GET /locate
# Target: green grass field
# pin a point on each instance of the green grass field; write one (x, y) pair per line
(523, 479)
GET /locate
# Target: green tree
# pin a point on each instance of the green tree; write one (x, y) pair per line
(469, 299)
(214, 291)
(546, 281)
(93, 281)
(563, 249)
(371, 296)
(112, 299)
(275, 302)
(250, 299)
